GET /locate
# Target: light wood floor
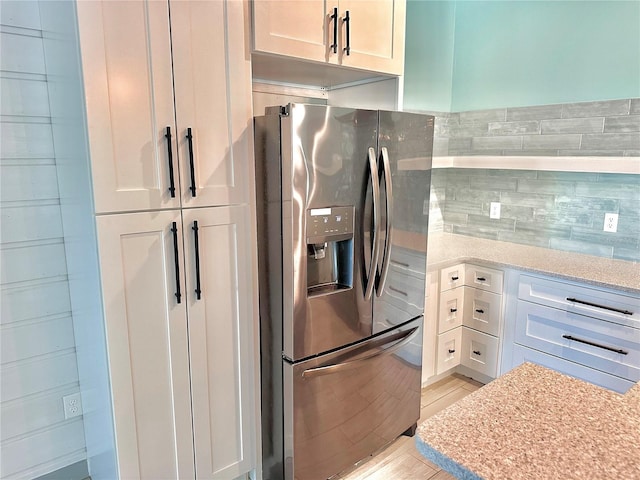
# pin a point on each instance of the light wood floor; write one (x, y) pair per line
(400, 460)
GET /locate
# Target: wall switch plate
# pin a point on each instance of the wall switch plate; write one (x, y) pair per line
(494, 210)
(72, 405)
(610, 222)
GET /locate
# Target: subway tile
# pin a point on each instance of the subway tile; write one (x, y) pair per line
(624, 124)
(566, 141)
(598, 237)
(631, 153)
(535, 200)
(619, 178)
(629, 208)
(496, 142)
(478, 197)
(591, 153)
(534, 113)
(485, 153)
(596, 109)
(572, 125)
(611, 141)
(606, 190)
(469, 172)
(453, 206)
(454, 218)
(534, 238)
(475, 231)
(564, 217)
(635, 106)
(577, 246)
(483, 221)
(629, 254)
(514, 128)
(530, 153)
(567, 176)
(586, 205)
(440, 147)
(494, 183)
(513, 173)
(468, 130)
(459, 144)
(546, 186)
(483, 116)
(514, 212)
(543, 230)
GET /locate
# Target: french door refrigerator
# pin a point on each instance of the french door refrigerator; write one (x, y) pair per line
(342, 209)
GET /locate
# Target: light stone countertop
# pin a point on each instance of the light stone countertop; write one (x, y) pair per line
(445, 249)
(535, 423)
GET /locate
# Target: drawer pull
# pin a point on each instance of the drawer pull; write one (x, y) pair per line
(479, 310)
(452, 351)
(604, 307)
(453, 279)
(477, 352)
(481, 279)
(611, 349)
(402, 264)
(453, 310)
(405, 294)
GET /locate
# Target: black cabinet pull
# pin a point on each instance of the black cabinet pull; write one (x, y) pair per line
(347, 22)
(604, 307)
(477, 352)
(479, 310)
(593, 344)
(453, 279)
(334, 17)
(452, 351)
(193, 172)
(453, 310)
(176, 255)
(195, 241)
(481, 279)
(172, 186)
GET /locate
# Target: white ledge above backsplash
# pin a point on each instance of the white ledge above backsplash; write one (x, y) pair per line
(628, 165)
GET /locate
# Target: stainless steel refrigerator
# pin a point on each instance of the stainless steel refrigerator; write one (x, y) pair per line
(342, 209)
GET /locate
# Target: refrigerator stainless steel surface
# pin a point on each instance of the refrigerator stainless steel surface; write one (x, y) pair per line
(342, 207)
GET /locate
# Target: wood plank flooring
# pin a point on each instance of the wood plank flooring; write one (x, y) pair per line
(400, 460)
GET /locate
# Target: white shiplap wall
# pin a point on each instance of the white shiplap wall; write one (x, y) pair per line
(37, 347)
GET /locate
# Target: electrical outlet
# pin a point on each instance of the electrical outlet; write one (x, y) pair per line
(610, 222)
(72, 405)
(494, 210)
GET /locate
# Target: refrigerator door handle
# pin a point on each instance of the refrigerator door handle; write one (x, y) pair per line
(375, 253)
(386, 258)
(400, 341)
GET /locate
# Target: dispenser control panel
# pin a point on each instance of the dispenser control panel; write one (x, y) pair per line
(329, 222)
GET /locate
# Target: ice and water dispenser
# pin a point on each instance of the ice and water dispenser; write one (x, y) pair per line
(329, 249)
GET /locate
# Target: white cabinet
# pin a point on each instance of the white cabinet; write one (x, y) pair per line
(362, 34)
(141, 156)
(449, 350)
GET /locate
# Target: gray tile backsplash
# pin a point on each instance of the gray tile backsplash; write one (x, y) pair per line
(606, 128)
(558, 210)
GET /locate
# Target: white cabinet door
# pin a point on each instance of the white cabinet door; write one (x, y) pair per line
(295, 29)
(376, 35)
(126, 63)
(213, 99)
(147, 341)
(220, 335)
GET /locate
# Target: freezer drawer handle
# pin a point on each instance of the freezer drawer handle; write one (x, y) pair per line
(604, 307)
(176, 257)
(197, 248)
(593, 344)
(386, 259)
(191, 167)
(404, 294)
(172, 185)
(404, 338)
(334, 18)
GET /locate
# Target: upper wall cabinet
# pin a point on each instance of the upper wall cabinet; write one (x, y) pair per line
(367, 35)
(163, 131)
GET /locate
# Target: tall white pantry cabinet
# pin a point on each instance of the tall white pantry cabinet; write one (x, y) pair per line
(154, 141)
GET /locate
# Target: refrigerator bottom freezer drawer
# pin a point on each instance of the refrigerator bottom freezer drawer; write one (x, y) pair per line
(343, 406)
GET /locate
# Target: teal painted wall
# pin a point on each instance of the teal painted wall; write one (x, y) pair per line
(520, 53)
(429, 55)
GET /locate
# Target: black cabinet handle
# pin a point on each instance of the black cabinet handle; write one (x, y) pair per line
(334, 17)
(172, 186)
(479, 310)
(193, 172)
(453, 279)
(604, 307)
(347, 22)
(195, 241)
(477, 352)
(452, 351)
(481, 279)
(453, 310)
(174, 229)
(593, 344)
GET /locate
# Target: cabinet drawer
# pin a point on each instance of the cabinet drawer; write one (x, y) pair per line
(479, 352)
(523, 354)
(451, 309)
(405, 291)
(584, 340)
(581, 300)
(449, 349)
(484, 278)
(452, 277)
(482, 310)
